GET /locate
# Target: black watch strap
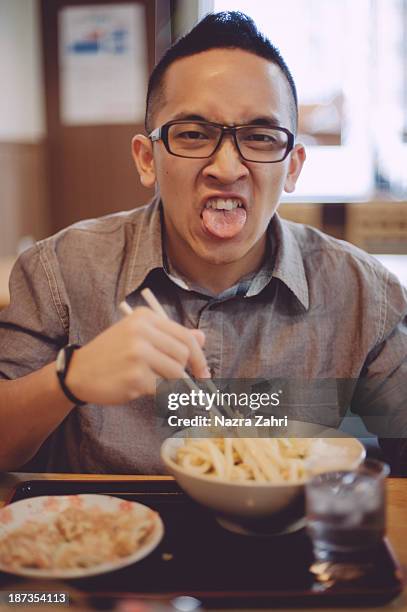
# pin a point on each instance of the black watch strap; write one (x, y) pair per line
(63, 360)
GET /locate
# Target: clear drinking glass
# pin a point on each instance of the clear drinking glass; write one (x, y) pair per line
(346, 513)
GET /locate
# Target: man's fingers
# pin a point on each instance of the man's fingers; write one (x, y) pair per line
(197, 361)
(199, 338)
(162, 365)
(199, 335)
(171, 339)
(170, 346)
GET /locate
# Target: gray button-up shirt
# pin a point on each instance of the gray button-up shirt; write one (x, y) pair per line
(318, 308)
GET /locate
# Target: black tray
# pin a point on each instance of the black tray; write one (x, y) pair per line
(199, 558)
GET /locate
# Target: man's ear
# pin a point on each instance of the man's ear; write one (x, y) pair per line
(142, 149)
(297, 159)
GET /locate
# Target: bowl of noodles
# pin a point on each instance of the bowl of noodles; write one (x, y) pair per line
(256, 484)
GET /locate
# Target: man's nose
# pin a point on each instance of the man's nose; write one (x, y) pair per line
(226, 164)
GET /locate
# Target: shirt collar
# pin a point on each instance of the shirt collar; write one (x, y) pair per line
(289, 263)
(147, 251)
(147, 255)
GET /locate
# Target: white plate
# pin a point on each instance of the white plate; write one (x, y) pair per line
(45, 509)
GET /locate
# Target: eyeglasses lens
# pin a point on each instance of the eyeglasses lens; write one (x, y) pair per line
(199, 140)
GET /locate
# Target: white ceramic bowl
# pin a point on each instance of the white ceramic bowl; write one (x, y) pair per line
(243, 502)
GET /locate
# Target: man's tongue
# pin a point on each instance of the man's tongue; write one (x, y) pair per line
(224, 223)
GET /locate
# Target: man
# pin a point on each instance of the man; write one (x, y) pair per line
(248, 295)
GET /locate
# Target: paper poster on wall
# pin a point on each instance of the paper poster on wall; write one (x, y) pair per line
(103, 64)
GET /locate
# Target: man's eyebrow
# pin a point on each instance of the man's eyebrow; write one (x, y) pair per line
(188, 117)
(269, 120)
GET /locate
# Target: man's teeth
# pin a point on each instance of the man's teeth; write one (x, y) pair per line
(221, 204)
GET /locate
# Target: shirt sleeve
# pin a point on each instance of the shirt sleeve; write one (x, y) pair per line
(35, 324)
(381, 392)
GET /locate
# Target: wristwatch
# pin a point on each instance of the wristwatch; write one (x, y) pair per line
(62, 366)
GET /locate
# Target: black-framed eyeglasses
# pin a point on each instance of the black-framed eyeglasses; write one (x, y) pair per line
(201, 139)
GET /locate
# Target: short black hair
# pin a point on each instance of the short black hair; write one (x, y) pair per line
(227, 29)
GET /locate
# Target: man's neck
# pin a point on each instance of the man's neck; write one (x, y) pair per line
(212, 276)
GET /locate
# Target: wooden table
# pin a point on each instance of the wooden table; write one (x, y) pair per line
(6, 263)
(396, 517)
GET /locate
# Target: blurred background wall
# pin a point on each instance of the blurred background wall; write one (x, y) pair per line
(54, 171)
(23, 179)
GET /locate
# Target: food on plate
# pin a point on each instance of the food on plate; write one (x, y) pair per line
(76, 538)
(277, 460)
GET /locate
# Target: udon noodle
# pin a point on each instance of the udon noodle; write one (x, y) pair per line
(247, 459)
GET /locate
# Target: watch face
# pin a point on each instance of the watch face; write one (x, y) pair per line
(61, 361)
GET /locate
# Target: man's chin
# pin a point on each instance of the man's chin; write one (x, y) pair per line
(222, 256)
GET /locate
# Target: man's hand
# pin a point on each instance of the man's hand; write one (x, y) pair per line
(124, 361)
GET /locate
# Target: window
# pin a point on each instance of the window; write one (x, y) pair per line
(349, 62)
(390, 96)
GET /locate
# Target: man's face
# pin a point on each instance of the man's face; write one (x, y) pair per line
(229, 87)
